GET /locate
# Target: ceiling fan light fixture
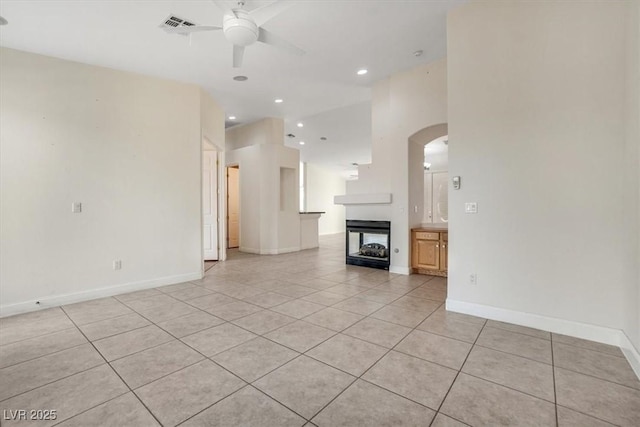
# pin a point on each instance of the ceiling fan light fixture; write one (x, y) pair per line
(239, 27)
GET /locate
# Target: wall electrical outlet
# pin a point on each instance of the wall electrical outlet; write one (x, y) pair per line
(76, 207)
(473, 279)
(117, 265)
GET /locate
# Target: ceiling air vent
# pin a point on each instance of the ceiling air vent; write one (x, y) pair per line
(174, 22)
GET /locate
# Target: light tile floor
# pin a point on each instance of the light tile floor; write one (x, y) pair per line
(302, 339)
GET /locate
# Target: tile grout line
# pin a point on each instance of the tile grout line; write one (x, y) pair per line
(459, 371)
(289, 361)
(41, 335)
(43, 355)
(553, 376)
(367, 370)
(114, 371)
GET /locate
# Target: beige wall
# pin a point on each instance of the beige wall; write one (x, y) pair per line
(265, 228)
(211, 114)
(265, 131)
(322, 185)
(128, 147)
(402, 105)
(633, 157)
(538, 130)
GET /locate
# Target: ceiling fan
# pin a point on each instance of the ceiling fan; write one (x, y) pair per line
(243, 28)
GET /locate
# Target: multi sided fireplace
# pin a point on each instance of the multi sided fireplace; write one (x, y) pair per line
(368, 243)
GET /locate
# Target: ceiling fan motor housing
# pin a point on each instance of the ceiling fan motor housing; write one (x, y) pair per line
(240, 28)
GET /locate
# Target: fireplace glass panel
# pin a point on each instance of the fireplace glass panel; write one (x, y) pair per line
(368, 243)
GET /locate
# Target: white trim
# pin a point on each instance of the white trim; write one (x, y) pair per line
(363, 199)
(585, 331)
(287, 250)
(58, 300)
(399, 270)
(630, 352)
(270, 251)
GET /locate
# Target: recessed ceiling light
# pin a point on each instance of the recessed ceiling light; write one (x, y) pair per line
(300, 124)
(323, 138)
(3, 21)
(301, 142)
(241, 78)
(279, 101)
(232, 117)
(362, 71)
(418, 53)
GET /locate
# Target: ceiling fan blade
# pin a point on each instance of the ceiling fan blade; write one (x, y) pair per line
(184, 29)
(269, 38)
(238, 53)
(266, 13)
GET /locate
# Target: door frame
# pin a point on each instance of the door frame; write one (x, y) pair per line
(221, 201)
(226, 211)
(214, 188)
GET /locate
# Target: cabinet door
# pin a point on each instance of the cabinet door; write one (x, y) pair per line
(443, 256)
(426, 254)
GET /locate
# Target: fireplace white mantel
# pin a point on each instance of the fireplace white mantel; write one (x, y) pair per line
(363, 199)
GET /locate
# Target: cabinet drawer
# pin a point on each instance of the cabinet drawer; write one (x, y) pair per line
(425, 235)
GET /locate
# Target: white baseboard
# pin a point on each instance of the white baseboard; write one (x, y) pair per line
(631, 353)
(585, 331)
(58, 300)
(269, 251)
(399, 270)
(282, 250)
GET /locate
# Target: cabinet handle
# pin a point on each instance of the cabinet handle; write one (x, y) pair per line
(437, 246)
(444, 246)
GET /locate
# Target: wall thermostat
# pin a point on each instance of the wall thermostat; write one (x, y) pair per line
(456, 182)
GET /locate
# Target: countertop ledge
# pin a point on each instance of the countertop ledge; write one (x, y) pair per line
(434, 227)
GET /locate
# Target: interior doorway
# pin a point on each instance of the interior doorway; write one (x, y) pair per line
(210, 239)
(436, 179)
(233, 207)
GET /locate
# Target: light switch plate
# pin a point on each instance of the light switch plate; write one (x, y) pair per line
(76, 207)
(471, 207)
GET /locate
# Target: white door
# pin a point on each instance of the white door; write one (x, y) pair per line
(210, 205)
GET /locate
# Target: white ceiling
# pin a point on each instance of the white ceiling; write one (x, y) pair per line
(320, 89)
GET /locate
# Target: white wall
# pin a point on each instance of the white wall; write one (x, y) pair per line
(402, 105)
(537, 110)
(213, 134)
(265, 228)
(128, 147)
(632, 327)
(322, 185)
(266, 131)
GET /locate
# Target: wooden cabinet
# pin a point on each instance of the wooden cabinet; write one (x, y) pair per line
(429, 251)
